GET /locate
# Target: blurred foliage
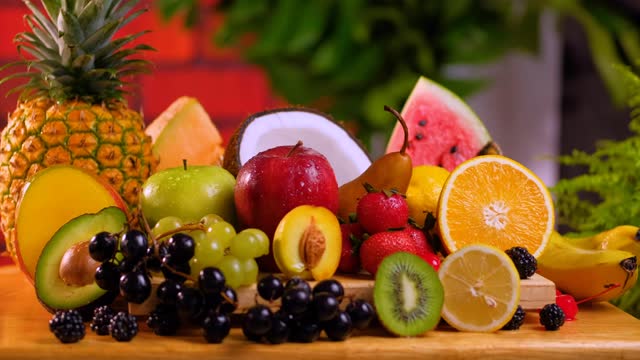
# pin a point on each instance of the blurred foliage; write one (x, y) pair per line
(351, 57)
(608, 193)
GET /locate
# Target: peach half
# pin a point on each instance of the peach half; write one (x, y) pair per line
(308, 243)
(49, 200)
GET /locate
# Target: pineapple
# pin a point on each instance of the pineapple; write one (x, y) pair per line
(71, 109)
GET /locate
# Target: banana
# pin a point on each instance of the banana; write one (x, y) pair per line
(623, 237)
(586, 273)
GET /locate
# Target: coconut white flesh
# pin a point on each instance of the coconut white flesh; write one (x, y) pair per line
(273, 129)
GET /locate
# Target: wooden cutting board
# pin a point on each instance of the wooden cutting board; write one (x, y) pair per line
(600, 331)
(535, 292)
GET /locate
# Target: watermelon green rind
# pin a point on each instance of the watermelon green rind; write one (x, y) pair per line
(453, 132)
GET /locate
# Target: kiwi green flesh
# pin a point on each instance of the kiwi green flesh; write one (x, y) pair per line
(51, 290)
(408, 295)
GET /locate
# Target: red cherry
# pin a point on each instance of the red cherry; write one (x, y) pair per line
(568, 304)
(558, 292)
(431, 259)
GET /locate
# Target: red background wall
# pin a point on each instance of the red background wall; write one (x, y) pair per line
(186, 63)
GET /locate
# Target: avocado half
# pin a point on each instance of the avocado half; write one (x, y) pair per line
(51, 290)
(286, 126)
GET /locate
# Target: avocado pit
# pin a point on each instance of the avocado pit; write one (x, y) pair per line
(77, 268)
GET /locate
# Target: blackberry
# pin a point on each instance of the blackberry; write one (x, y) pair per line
(516, 321)
(164, 320)
(524, 261)
(552, 317)
(67, 326)
(101, 318)
(123, 326)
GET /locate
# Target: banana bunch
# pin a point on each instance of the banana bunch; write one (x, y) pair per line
(599, 268)
(624, 237)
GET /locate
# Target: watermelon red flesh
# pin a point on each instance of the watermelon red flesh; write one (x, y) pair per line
(443, 130)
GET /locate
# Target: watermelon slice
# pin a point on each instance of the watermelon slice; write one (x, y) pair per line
(443, 130)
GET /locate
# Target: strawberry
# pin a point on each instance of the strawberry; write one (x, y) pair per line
(382, 244)
(351, 238)
(419, 239)
(381, 211)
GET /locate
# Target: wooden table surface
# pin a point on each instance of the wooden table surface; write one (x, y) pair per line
(600, 332)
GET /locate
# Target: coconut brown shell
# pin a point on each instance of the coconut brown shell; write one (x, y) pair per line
(231, 159)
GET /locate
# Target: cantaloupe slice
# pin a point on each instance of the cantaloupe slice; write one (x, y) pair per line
(184, 131)
(54, 196)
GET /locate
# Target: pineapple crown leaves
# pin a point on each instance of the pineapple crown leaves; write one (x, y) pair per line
(72, 51)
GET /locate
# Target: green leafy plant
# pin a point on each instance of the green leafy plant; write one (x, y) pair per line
(608, 193)
(349, 58)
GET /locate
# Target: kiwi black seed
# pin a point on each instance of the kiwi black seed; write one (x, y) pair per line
(407, 295)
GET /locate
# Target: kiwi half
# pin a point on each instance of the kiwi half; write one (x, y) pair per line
(407, 294)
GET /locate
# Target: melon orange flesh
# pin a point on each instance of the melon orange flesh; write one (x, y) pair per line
(53, 197)
(184, 131)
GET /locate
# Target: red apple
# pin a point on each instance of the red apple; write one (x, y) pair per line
(275, 181)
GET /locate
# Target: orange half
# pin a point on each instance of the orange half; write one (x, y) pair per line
(496, 201)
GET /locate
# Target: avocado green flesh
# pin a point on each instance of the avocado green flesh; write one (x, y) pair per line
(50, 288)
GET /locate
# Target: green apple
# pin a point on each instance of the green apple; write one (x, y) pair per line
(189, 193)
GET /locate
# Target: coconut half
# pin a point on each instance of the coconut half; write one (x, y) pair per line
(268, 129)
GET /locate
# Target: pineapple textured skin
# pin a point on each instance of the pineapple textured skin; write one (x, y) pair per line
(106, 140)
